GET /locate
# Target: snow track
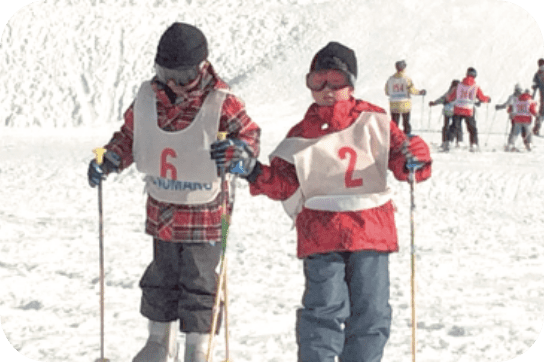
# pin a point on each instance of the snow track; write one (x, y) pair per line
(479, 238)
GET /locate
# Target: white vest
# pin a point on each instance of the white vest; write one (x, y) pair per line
(177, 164)
(466, 95)
(341, 171)
(398, 89)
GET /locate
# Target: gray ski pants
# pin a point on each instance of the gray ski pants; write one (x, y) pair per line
(346, 309)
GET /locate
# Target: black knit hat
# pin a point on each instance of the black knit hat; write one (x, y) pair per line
(400, 65)
(471, 72)
(335, 56)
(181, 45)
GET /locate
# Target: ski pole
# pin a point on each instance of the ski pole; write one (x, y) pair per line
(225, 290)
(221, 284)
(429, 121)
(423, 110)
(506, 131)
(489, 127)
(99, 152)
(412, 165)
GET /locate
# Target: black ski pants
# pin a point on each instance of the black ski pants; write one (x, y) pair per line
(448, 129)
(405, 121)
(471, 127)
(181, 283)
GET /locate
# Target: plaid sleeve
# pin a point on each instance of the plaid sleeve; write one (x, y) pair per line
(121, 142)
(235, 121)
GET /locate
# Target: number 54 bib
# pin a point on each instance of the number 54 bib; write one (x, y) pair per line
(342, 171)
(177, 164)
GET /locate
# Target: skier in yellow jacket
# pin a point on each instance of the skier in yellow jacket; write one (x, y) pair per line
(399, 88)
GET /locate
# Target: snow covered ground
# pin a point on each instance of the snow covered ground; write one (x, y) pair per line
(69, 68)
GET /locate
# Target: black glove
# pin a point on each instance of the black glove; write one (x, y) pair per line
(422, 92)
(234, 156)
(97, 172)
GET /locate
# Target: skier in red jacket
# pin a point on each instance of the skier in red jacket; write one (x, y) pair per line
(521, 111)
(465, 96)
(330, 173)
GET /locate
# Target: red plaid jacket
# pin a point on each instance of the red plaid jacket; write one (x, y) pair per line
(188, 223)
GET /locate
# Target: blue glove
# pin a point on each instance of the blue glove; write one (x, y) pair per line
(234, 156)
(97, 172)
(412, 162)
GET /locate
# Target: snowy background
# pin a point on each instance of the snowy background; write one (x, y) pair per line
(69, 69)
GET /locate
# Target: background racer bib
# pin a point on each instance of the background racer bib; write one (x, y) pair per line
(341, 171)
(466, 96)
(177, 164)
(521, 108)
(398, 89)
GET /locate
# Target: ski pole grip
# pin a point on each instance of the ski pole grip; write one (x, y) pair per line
(221, 136)
(99, 155)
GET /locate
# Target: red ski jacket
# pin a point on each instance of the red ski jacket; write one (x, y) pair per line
(466, 111)
(326, 231)
(523, 115)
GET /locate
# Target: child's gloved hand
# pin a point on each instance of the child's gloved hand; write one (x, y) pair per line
(234, 156)
(414, 155)
(97, 172)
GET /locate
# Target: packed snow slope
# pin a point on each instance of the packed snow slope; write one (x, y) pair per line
(75, 62)
(69, 69)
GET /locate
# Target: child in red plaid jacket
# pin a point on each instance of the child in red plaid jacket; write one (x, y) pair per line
(167, 133)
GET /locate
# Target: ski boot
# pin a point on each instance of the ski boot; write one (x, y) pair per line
(445, 146)
(162, 344)
(196, 347)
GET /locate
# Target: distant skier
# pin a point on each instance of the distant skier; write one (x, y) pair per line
(522, 111)
(518, 91)
(399, 88)
(511, 99)
(465, 95)
(538, 84)
(166, 132)
(330, 173)
(450, 130)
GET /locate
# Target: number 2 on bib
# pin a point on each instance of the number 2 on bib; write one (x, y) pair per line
(348, 177)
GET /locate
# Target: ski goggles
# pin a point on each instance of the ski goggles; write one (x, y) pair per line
(335, 79)
(181, 76)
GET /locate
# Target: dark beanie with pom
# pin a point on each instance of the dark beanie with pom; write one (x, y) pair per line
(181, 45)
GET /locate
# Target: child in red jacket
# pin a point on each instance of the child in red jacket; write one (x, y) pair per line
(330, 173)
(521, 111)
(465, 97)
